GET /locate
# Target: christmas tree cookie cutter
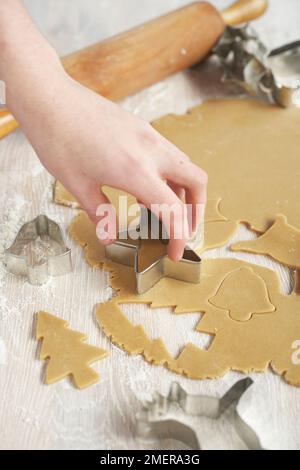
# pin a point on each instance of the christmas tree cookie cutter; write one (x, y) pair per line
(125, 250)
(158, 420)
(39, 251)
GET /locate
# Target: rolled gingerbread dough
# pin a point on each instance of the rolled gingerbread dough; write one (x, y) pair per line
(250, 151)
(264, 340)
(248, 345)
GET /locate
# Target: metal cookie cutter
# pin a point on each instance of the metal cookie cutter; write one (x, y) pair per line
(273, 76)
(39, 251)
(156, 420)
(126, 251)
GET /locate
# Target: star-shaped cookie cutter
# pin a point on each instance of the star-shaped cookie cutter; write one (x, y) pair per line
(158, 420)
(39, 251)
(125, 250)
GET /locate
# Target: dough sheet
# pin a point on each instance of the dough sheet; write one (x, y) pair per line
(251, 153)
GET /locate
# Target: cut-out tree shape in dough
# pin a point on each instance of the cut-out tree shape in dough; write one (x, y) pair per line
(281, 242)
(243, 293)
(66, 351)
(244, 346)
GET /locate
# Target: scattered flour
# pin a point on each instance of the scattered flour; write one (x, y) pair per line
(2, 352)
(13, 208)
(12, 203)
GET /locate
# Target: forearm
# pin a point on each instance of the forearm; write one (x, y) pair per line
(105, 147)
(28, 64)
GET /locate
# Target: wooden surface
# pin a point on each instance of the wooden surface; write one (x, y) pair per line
(36, 416)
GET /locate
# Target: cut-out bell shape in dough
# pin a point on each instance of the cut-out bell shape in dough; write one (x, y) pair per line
(243, 293)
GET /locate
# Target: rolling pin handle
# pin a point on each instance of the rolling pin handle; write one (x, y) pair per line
(243, 11)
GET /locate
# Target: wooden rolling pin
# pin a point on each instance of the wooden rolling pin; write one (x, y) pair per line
(134, 60)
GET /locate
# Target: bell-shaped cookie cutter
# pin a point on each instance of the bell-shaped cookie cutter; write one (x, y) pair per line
(39, 251)
(158, 420)
(125, 250)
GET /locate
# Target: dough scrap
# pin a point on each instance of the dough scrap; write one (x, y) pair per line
(281, 242)
(66, 351)
(243, 293)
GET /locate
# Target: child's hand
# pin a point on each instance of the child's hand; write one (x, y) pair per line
(83, 139)
(87, 142)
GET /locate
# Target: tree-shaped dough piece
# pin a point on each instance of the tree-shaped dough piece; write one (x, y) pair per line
(66, 351)
(243, 293)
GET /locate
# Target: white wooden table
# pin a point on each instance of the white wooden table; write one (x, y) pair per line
(36, 416)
